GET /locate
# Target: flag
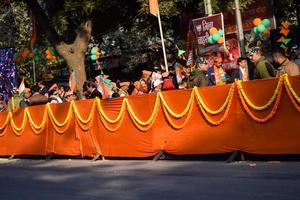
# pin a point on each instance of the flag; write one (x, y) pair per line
(189, 61)
(153, 7)
(105, 85)
(72, 82)
(21, 88)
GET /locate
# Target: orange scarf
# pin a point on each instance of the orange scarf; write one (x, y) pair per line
(218, 73)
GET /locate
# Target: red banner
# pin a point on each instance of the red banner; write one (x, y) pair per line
(201, 28)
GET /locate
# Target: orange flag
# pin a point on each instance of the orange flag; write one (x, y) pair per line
(284, 31)
(72, 82)
(153, 6)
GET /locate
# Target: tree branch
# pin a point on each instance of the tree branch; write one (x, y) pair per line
(43, 22)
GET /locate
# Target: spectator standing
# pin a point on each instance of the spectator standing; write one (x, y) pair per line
(242, 72)
(285, 65)
(26, 100)
(263, 69)
(92, 89)
(216, 74)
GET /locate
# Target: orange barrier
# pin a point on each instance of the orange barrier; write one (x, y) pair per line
(259, 117)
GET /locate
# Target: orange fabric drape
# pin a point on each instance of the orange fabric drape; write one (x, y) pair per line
(259, 117)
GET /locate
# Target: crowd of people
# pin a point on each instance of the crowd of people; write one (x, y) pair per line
(205, 72)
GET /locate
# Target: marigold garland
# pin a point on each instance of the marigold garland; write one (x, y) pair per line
(159, 101)
(269, 103)
(224, 117)
(136, 119)
(270, 115)
(190, 109)
(102, 113)
(208, 110)
(37, 129)
(176, 115)
(291, 89)
(16, 129)
(291, 97)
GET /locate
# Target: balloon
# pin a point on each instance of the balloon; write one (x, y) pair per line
(48, 52)
(267, 31)
(93, 57)
(261, 28)
(49, 57)
(210, 39)
(94, 50)
(53, 58)
(31, 55)
(266, 23)
(221, 40)
(221, 32)
(257, 21)
(36, 58)
(216, 37)
(255, 30)
(213, 30)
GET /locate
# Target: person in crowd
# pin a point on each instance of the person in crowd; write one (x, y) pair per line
(263, 68)
(26, 100)
(62, 92)
(43, 90)
(198, 76)
(115, 93)
(285, 65)
(3, 104)
(184, 84)
(92, 89)
(242, 72)
(216, 74)
(168, 78)
(232, 54)
(156, 86)
(54, 97)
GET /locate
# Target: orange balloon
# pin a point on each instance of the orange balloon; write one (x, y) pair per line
(221, 40)
(267, 31)
(48, 52)
(53, 57)
(257, 21)
(212, 30)
(31, 55)
(49, 57)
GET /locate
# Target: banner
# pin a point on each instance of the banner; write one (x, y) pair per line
(258, 9)
(201, 28)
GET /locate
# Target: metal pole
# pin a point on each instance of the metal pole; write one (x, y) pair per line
(239, 24)
(205, 7)
(209, 8)
(162, 42)
(33, 66)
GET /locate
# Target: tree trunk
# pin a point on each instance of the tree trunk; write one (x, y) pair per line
(74, 54)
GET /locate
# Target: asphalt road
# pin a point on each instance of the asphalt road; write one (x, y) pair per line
(146, 179)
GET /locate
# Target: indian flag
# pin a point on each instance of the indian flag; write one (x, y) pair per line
(21, 88)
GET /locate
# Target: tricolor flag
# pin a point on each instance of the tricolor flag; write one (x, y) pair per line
(153, 7)
(21, 88)
(104, 85)
(72, 82)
